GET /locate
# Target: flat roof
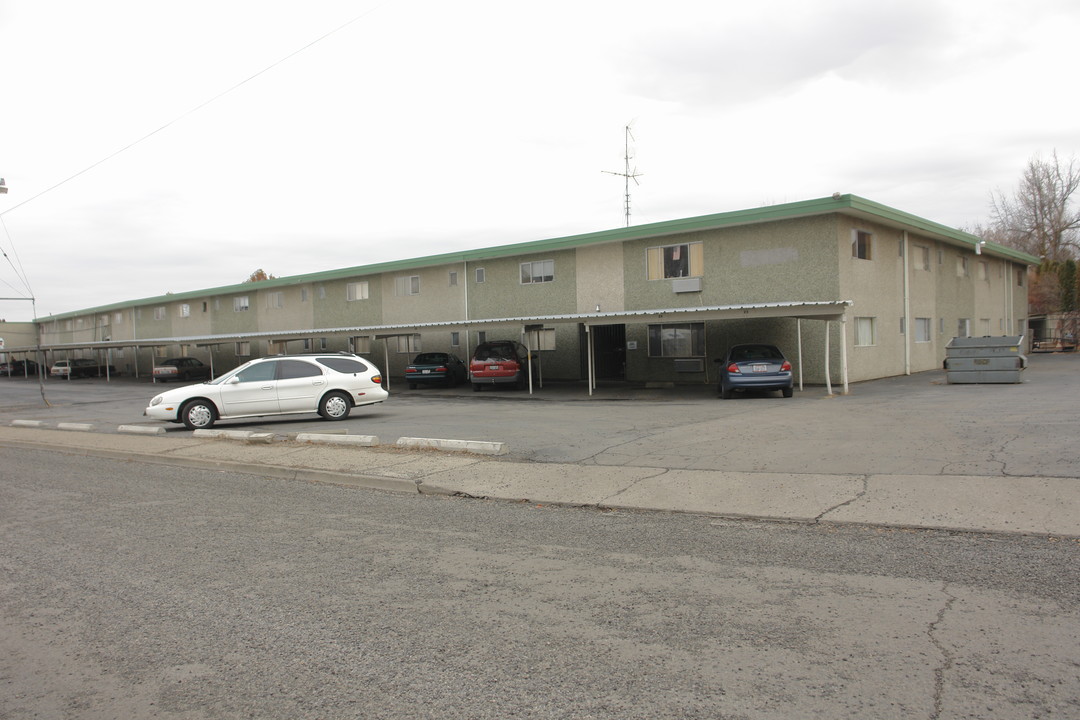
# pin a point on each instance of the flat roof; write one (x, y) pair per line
(851, 205)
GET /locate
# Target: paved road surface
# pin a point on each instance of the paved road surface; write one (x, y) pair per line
(135, 591)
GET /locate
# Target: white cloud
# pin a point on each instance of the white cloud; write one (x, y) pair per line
(424, 127)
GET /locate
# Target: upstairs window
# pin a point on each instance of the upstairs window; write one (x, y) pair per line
(862, 245)
(240, 303)
(357, 291)
(922, 257)
(407, 285)
(962, 266)
(675, 261)
(538, 271)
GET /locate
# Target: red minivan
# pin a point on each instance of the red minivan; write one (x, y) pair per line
(500, 362)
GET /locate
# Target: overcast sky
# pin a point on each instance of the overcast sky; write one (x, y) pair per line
(426, 126)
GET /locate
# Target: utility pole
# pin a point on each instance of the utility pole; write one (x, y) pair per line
(41, 370)
(626, 174)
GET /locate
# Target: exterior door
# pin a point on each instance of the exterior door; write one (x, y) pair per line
(609, 351)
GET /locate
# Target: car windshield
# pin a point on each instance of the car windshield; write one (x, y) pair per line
(222, 378)
(754, 352)
(430, 359)
(495, 352)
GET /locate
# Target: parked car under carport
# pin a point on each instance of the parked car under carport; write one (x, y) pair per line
(755, 367)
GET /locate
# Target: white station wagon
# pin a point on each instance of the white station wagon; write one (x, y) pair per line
(327, 384)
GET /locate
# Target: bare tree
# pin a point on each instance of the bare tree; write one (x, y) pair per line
(1039, 218)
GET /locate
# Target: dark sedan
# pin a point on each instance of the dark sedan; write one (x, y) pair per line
(19, 368)
(184, 369)
(435, 368)
(755, 367)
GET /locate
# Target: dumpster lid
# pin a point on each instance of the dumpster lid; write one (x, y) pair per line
(987, 341)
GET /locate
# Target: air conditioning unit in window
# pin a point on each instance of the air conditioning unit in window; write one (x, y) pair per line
(685, 285)
(690, 365)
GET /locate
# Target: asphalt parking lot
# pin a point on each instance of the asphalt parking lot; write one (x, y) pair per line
(917, 424)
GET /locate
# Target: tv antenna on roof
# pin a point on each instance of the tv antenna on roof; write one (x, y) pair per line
(627, 174)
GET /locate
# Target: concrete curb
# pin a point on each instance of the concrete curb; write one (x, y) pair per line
(370, 482)
(141, 430)
(480, 447)
(324, 439)
(1028, 505)
(245, 435)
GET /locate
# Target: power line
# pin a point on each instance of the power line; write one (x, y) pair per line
(192, 110)
(19, 272)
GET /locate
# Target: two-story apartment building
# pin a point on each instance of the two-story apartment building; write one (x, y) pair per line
(848, 288)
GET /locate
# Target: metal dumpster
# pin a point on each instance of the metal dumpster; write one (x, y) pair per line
(985, 359)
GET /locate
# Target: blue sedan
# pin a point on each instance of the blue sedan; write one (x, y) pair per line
(435, 368)
(755, 367)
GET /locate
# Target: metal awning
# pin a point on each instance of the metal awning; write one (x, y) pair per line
(827, 310)
(822, 310)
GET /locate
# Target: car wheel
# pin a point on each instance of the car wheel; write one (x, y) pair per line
(476, 387)
(726, 393)
(412, 386)
(788, 392)
(198, 414)
(335, 406)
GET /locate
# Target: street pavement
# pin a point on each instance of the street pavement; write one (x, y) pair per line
(906, 452)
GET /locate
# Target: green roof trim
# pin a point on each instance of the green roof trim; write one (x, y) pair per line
(840, 204)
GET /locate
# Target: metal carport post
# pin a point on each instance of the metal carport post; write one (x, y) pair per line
(386, 352)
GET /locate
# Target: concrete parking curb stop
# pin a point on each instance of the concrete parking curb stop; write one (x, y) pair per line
(245, 435)
(479, 447)
(362, 440)
(141, 430)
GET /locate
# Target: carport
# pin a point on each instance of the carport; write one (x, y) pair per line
(827, 312)
(823, 311)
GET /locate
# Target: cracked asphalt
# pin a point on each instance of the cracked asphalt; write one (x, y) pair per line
(915, 425)
(131, 589)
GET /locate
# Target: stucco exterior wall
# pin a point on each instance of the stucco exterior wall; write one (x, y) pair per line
(600, 281)
(747, 257)
(782, 261)
(876, 287)
(502, 294)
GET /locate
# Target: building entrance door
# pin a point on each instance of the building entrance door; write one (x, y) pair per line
(609, 352)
